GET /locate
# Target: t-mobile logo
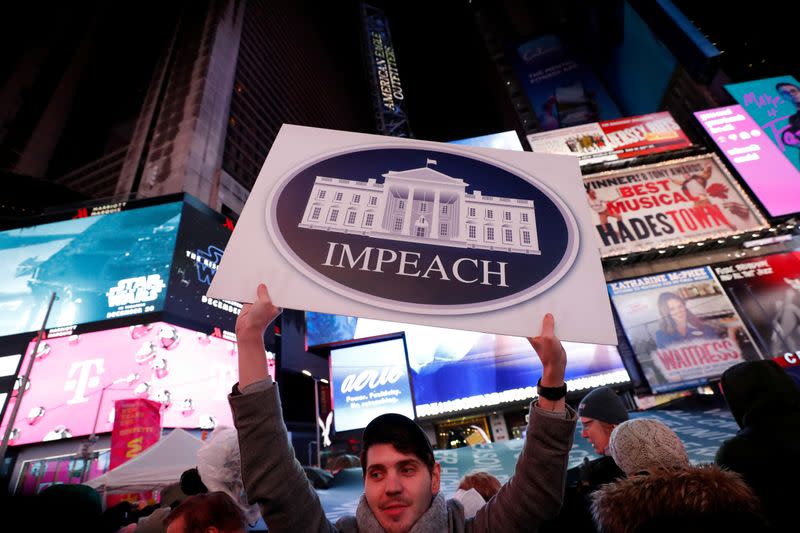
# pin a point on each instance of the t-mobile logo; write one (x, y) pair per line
(80, 379)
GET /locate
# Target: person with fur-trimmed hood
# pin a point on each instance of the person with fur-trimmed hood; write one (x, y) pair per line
(663, 492)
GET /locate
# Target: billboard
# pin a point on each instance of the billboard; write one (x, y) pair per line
(454, 370)
(561, 91)
(676, 202)
(612, 140)
(771, 177)
(201, 240)
(766, 291)
(101, 267)
(774, 103)
(369, 379)
(681, 326)
(506, 140)
(78, 377)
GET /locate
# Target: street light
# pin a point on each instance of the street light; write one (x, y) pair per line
(316, 412)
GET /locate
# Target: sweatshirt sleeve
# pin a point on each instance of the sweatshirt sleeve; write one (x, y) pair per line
(536, 490)
(272, 477)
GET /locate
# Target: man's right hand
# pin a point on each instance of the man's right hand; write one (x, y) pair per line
(250, 325)
(255, 317)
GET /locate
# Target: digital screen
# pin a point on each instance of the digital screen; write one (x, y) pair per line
(682, 327)
(100, 267)
(201, 240)
(771, 177)
(506, 140)
(77, 378)
(454, 370)
(774, 103)
(369, 380)
(766, 291)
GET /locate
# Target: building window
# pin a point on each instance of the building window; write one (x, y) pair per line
(423, 207)
(472, 211)
(524, 217)
(507, 215)
(321, 194)
(338, 197)
(526, 237)
(334, 215)
(444, 209)
(356, 198)
(373, 200)
(401, 204)
(398, 224)
(443, 230)
(489, 233)
(351, 217)
(472, 231)
(315, 213)
(489, 214)
(508, 234)
(420, 231)
(368, 219)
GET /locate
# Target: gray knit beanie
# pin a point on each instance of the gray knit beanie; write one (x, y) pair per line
(604, 405)
(646, 445)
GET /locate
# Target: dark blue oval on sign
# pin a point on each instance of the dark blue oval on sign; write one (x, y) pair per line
(423, 230)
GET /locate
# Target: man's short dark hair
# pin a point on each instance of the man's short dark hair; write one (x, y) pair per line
(402, 433)
(201, 511)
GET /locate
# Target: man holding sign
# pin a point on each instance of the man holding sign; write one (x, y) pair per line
(401, 476)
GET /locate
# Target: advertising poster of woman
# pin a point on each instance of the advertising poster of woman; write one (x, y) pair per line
(681, 326)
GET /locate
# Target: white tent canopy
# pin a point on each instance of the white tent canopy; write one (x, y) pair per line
(158, 466)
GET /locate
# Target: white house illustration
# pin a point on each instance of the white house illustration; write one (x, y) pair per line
(422, 205)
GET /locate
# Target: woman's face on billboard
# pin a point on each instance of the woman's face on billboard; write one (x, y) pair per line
(677, 310)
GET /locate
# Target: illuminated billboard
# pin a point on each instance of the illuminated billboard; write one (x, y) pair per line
(671, 203)
(681, 326)
(771, 177)
(77, 378)
(100, 267)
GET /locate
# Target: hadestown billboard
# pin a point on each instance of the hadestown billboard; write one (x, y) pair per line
(420, 232)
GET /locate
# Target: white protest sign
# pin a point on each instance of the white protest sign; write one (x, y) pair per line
(420, 232)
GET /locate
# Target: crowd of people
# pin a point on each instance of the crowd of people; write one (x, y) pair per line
(642, 482)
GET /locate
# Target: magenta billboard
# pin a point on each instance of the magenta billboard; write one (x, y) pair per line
(77, 378)
(770, 175)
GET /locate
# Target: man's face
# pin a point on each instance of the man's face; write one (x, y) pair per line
(596, 433)
(398, 486)
(791, 93)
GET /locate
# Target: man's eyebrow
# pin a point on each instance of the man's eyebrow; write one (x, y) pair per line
(409, 462)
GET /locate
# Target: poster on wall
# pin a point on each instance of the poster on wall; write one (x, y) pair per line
(561, 91)
(676, 202)
(774, 103)
(612, 140)
(766, 291)
(428, 233)
(100, 267)
(681, 326)
(771, 177)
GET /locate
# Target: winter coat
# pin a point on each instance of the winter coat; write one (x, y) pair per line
(275, 480)
(765, 402)
(704, 498)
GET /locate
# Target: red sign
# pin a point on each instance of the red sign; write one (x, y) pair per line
(611, 140)
(137, 426)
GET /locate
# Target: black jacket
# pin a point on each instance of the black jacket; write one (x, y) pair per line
(582, 481)
(765, 402)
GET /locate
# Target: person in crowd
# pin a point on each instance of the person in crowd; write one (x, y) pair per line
(211, 512)
(474, 490)
(663, 492)
(599, 413)
(191, 483)
(401, 476)
(765, 402)
(341, 462)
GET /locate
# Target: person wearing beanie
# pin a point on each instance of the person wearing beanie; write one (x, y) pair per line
(402, 479)
(664, 492)
(599, 413)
